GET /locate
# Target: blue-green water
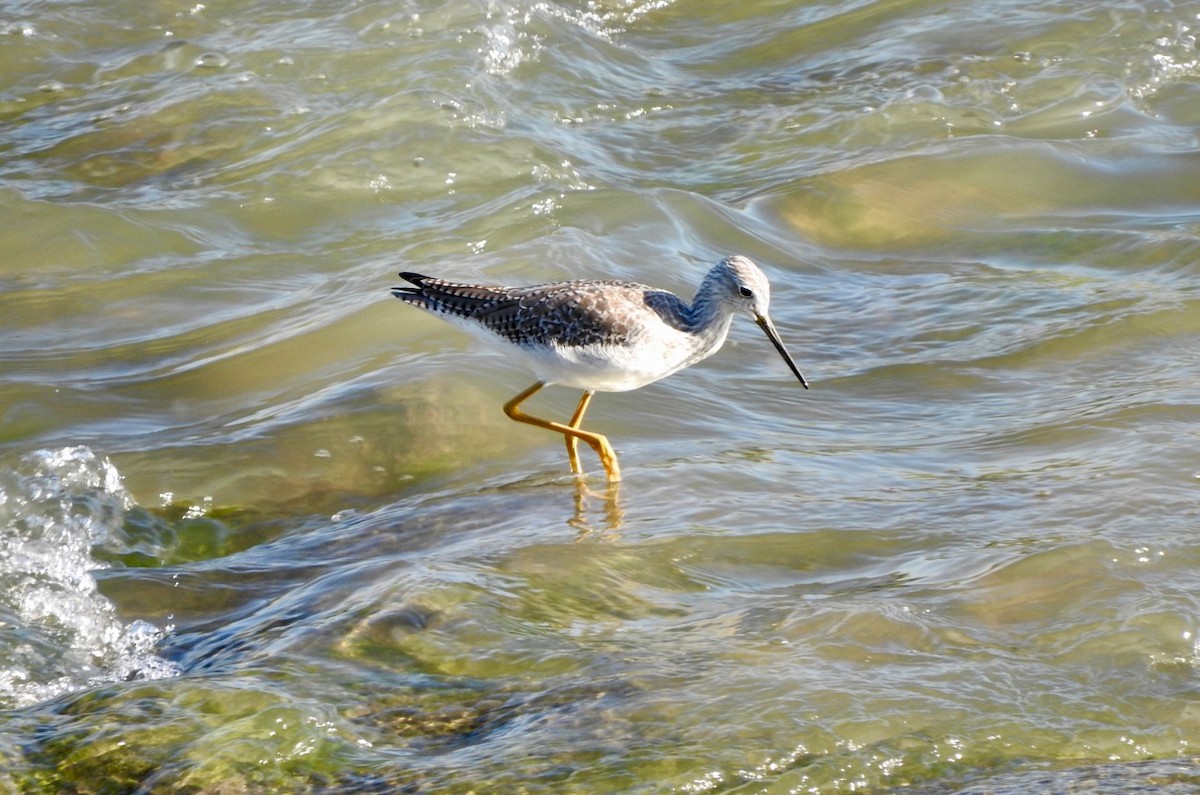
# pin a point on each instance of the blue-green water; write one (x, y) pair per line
(266, 529)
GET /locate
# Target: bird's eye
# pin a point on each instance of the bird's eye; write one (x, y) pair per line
(746, 292)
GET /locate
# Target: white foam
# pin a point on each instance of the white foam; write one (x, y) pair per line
(60, 633)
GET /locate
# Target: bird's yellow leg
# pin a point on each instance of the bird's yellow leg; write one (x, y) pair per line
(572, 441)
(594, 440)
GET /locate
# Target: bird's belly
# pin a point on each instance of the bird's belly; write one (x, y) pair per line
(607, 368)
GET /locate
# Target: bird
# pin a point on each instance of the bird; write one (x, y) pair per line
(601, 335)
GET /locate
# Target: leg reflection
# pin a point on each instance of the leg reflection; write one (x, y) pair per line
(591, 504)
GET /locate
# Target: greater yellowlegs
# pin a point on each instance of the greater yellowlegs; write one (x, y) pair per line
(601, 336)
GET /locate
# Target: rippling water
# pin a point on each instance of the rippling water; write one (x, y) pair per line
(266, 529)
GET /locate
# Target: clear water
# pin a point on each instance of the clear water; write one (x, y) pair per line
(265, 528)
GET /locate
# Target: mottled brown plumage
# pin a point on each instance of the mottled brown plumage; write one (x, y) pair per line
(573, 314)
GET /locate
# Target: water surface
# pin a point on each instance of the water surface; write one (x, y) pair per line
(264, 528)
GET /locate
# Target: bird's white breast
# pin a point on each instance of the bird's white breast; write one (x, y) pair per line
(620, 368)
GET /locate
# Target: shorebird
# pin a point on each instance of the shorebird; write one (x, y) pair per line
(601, 335)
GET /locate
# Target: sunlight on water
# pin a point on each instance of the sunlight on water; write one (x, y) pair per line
(267, 529)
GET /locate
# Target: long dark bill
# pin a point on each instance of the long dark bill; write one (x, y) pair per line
(766, 325)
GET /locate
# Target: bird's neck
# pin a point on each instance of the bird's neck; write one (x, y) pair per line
(708, 319)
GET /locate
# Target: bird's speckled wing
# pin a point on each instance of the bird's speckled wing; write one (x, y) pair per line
(569, 314)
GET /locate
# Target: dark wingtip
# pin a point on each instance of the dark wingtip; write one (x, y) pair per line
(413, 278)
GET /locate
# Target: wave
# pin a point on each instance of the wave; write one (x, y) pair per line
(58, 633)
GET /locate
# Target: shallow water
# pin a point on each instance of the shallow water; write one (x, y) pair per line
(266, 528)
